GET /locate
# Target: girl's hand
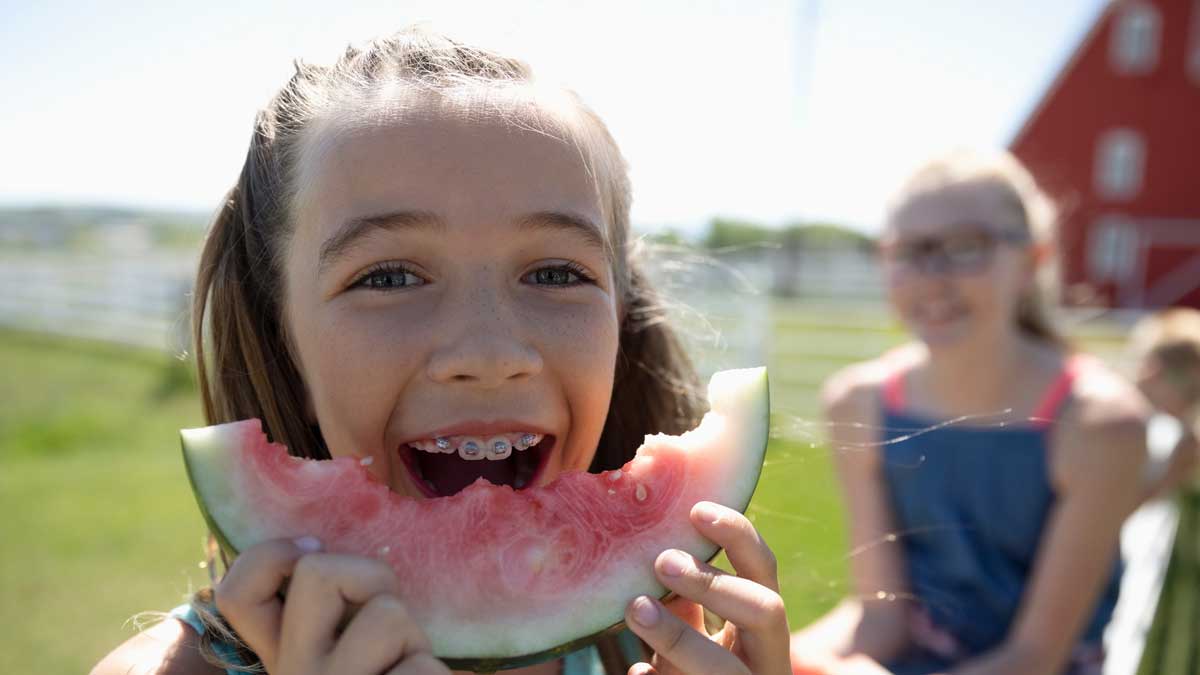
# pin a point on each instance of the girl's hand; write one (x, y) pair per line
(302, 636)
(755, 638)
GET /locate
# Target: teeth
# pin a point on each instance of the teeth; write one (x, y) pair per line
(498, 448)
(471, 448)
(527, 441)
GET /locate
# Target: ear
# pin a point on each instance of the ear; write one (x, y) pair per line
(1042, 253)
(1037, 256)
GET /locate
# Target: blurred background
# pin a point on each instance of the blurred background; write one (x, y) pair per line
(764, 138)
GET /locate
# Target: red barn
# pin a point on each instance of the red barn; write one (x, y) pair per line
(1116, 140)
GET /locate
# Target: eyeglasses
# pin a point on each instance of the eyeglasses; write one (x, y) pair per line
(966, 250)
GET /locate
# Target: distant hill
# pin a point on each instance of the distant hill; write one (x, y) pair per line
(83, 226)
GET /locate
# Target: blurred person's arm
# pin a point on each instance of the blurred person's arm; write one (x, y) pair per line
(862, 623)
(167, 648)
(1098, 451)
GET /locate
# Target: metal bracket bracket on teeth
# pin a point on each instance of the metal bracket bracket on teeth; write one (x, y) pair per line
(472, 448)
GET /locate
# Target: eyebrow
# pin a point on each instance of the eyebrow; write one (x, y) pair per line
(563, 220)
(355, 229)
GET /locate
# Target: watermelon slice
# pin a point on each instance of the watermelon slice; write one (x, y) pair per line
(497, 577)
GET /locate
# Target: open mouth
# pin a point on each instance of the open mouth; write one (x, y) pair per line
(443, 467)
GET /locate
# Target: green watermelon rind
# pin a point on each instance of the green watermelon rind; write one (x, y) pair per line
(486, 664)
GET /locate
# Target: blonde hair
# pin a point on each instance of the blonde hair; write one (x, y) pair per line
(1172, 337)
(245, 365)
(1032, 209)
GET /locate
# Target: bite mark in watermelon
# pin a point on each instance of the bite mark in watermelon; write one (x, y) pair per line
(497, 578)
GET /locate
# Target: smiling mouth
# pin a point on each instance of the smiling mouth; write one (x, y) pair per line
(439, 472)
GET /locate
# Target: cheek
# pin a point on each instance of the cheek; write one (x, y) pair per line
(904, 291)
(357, 366)
(581, 349)
(586, 343)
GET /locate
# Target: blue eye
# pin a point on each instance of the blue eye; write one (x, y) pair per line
(387, 277)
(567, 274)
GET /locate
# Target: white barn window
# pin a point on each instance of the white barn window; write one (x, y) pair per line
(1120, 162)
(1112, 250)
(1193, 48)
(1134, 46)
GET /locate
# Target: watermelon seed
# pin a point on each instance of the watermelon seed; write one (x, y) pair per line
(367, 461)
(384, 550)
(612, 491)
(615, 475)
(640, 493)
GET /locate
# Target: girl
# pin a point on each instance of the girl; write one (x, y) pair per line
(1163, 577)
(986, 468)
(426, 245)
(1166, 348)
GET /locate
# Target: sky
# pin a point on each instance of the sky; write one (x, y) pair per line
(774, 111)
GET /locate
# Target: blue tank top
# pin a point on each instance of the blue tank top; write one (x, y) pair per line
(585, 661)
(970, 504)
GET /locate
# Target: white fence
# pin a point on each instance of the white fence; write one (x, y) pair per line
(139, 301)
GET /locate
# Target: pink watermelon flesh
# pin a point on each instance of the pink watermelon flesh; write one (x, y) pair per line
(493, 574)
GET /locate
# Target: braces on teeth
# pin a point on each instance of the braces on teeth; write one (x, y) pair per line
(473, 448)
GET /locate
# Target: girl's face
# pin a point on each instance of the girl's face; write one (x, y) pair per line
(957, 261)
(450, 300)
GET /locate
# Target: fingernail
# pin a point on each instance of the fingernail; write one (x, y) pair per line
(644, 611)
(708, 512)
(307, 544)
(674, 563)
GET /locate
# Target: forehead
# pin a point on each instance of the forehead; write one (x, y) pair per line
(472, 164)
(943, 209)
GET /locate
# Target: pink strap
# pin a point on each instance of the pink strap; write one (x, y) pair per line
(1043, 415)
(1047, 411)
(893, 390)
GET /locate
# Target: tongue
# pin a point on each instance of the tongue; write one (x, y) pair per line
(450, 473)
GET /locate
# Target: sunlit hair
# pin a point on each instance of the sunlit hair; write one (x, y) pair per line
(245, 364)
(1172, 338)
(1034, 214)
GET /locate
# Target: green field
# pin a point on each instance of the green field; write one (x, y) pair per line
(100, 524)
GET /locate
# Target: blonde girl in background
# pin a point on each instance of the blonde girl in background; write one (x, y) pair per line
(986, 466)
(423, 236)
(1166, 348)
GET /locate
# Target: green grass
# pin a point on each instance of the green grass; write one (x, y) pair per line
(98, 520)
(100, 524)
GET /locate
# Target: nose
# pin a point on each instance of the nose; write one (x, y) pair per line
(483, 342)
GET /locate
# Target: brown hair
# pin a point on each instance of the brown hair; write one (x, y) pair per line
(1033, 210)
(245, 365)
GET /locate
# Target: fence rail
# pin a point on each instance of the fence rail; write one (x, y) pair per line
(135, 301)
